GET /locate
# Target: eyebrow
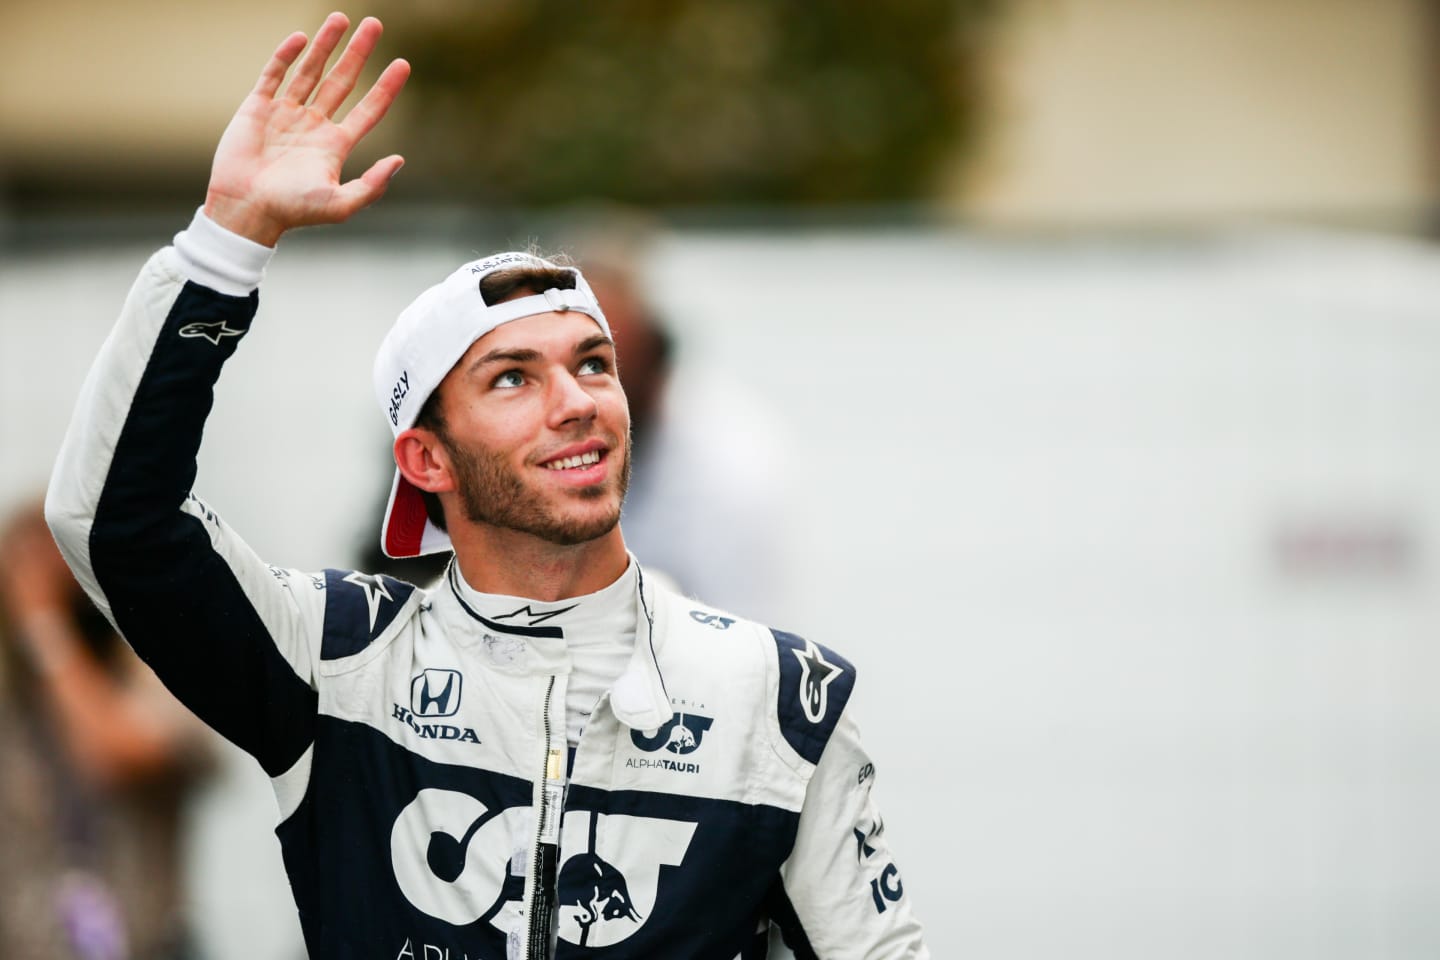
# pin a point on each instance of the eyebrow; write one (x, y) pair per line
(592, 343)
(521, 355)
(505, 356)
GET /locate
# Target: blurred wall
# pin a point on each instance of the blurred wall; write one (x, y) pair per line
(1101, 111)
(125, 96)
(1126, 111)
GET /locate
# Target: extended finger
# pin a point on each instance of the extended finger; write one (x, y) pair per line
(313, 63)
(280, 61)
(341, 78)
(364, 115)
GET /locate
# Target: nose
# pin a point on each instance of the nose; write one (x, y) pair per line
(570, 401)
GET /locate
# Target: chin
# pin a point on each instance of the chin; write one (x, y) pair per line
(496, 497)
(573, 531)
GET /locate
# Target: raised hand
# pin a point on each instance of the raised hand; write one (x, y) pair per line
(279, 162)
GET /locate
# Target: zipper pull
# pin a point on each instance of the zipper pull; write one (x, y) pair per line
(554, 797)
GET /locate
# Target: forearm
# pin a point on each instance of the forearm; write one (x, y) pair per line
(842, 889)
(153, 379)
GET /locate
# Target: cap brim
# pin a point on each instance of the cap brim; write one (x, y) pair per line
(407, 531)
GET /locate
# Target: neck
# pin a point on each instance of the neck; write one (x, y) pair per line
(493, 560)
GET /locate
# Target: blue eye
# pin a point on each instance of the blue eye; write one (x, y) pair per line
(509, 380)
(593, 365)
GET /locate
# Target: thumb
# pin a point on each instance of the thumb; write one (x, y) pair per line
(357, 194)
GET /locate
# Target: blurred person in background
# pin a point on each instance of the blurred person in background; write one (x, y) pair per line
(708, 498)
(96, 761)
(436, 796)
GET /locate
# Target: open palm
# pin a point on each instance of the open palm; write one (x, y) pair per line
(279, 163)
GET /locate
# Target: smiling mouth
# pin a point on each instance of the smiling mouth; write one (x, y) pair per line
(571, 463)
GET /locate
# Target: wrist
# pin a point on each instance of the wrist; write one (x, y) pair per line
(215, 256)
(242, 218)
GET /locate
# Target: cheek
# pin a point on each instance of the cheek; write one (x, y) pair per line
(512, 440)
(497, 429)
(616, 407)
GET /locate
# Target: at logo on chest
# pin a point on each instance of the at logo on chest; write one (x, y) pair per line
(680, 736)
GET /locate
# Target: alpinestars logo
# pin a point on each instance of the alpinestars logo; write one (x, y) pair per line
(680, 736)
(816, 675)
(213, 332)
(435, 693)
(536, 617)
(374, 589)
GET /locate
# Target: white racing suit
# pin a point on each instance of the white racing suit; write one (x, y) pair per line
(719, 796)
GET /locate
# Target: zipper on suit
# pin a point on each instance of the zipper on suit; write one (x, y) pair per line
(544, 866)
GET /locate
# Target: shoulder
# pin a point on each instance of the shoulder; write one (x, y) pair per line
(814, 689)
(802, 685)
(360, 608)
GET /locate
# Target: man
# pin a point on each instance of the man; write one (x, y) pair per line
(546, 755)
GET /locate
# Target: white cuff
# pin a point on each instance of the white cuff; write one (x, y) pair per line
(214, 257)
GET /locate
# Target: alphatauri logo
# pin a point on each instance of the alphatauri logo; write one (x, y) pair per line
(712, 619)
(681, 735)
(451, 855)
(609, 887)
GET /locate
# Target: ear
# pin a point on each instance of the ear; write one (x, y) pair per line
(423, 460)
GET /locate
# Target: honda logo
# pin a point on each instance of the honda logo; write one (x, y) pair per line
(435, 693)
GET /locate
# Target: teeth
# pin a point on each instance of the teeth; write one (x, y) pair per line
(570, 463)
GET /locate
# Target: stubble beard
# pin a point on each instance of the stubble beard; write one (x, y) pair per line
(492, 493)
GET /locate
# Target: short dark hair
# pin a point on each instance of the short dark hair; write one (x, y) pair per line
(504, 284)
(496, 287)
